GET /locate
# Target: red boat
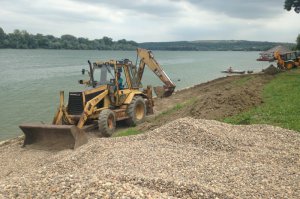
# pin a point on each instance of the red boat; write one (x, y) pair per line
(265, 58)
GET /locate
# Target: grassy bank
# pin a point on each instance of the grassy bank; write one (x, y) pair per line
(281, 105)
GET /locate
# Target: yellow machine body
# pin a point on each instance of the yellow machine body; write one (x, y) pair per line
(287, 61)
(106, 101)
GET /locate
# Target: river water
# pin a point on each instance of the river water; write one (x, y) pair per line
(30, 80)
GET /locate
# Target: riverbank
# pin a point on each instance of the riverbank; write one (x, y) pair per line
(281, 104)
(182, 154)
(217, 99)
(247, 99)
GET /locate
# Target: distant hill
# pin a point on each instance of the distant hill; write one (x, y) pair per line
(213, 45)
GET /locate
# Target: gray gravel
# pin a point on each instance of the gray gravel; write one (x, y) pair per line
(187, 158)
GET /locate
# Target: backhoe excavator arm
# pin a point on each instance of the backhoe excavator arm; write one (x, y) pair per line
(279, 59)
(147, 58)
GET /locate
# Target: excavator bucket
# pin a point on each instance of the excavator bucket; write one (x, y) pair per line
(161, 91)
(56, 137)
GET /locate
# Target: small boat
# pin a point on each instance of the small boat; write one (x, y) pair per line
(269, 59)
(233, 71)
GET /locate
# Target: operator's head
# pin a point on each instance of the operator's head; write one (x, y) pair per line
(118, 74)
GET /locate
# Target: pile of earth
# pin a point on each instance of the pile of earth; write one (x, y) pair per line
(271, 70)
(217, 99)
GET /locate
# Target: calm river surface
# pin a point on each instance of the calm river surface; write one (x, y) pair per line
(30, 80)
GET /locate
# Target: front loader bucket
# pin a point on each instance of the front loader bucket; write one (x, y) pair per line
(55, 137)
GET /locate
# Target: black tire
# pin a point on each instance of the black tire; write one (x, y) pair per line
(107, 122)
(136, 111)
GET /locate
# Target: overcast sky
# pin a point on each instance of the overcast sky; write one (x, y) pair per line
(154, 20)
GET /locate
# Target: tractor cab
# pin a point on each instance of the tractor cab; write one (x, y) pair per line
(119, 77)
(110, 73)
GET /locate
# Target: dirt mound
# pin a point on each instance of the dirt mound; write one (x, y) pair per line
(216, 99)
(271, 70)
(187, 158)
(224, 103)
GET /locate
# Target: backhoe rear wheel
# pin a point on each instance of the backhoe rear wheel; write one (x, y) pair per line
(136, 111)
(107, 122)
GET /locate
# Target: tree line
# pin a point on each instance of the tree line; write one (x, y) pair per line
(21, 39)
(215, 45)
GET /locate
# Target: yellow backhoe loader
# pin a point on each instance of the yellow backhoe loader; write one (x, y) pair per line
(107, 100)
(287, 60)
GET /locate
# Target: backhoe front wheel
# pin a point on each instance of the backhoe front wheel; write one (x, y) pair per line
(136, 111)
(107, 122)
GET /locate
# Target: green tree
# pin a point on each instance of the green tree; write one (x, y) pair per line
(69, 38)
(107, 41)
(15, 39)
(289, 4)
(24, 39)
(42, 41)
(298, 42)
(2, 34)
(2, 37)
(83, 43)
(69, 42)
(32, 42)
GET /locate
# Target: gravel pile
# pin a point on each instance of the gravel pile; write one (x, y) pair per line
(187, 158)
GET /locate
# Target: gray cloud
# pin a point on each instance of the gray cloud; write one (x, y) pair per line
(233, 8)
(244, 9)
(165, 8)
(41, 11)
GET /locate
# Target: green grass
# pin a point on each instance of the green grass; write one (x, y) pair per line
(281, 105)
(127, 132)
